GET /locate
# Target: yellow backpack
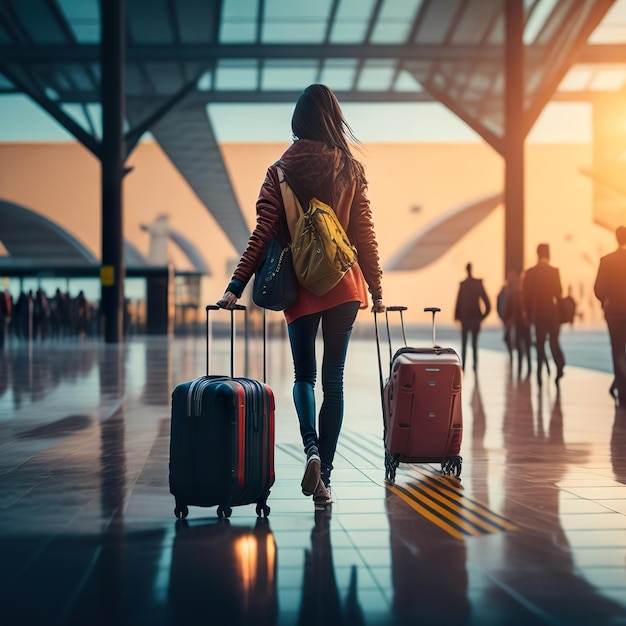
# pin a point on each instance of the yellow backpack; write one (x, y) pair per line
(320, 248)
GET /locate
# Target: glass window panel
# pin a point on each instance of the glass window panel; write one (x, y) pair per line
(134, 79)
(165, 77)
(577, 79)
(285, 21)
(285, 75)
(607, 80)
(391, 33)
(39, 22)
(149, 21)
(437, 21)
(237, 75)
(83, 18)
(537, 19)
(195, 20)
(94, 110)
(351, 21)
(80, 77)
(205, 82)
(406, 82)
(612, 28)
(376, 76)
(474, 22)
(286, 30)
(239, 21)
(77, 113)
(419, 69)
(339, 74)
(497, 35)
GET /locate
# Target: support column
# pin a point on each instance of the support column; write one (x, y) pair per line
(514, 137)
(112, 51)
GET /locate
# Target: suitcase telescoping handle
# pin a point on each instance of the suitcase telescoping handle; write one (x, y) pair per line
(399, 309)
(209, 334)
(434, 310)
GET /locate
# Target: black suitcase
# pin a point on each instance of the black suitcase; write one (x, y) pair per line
(222, 439)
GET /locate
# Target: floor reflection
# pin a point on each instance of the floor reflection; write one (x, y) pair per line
(546, 576)
(428, 570)
(321, 604)
(224, 572)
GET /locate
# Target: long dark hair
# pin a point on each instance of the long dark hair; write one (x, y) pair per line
(318, 116)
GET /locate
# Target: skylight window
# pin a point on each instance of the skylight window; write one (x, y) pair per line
(286, 76)
(351, 21)
(237, 75)
(239, 21)
(395, 20)
(83, 18)
(376, 76)
(285, 21)
(537, 19)
(339, 74)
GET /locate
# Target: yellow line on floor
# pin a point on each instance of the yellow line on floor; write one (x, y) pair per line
(452, 516)
(426, 513)
(454, 492)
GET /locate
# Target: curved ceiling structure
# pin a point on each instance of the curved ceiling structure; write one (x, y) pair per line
(436, 239)
(33, 240)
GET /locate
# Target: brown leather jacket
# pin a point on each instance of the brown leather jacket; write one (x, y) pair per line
(313, 169)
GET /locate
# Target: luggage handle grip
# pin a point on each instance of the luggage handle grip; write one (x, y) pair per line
(434, 310)
(215, 307)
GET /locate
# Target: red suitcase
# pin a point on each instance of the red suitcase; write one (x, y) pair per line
(421, 400)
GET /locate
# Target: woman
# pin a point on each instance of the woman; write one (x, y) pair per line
(318, 163)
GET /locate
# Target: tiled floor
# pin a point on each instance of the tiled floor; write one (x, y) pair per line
(533, 533)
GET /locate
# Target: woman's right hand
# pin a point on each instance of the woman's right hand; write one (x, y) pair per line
(227, 301)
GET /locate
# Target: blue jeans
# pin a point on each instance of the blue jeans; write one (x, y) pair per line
(337, 324)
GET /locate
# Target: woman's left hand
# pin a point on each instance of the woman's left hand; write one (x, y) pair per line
(228, 300)
(378, 306)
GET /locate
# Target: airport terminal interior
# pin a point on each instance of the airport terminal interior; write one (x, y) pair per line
(532, 530)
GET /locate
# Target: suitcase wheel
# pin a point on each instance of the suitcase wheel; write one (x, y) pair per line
(181, 511)
(391, 465)
(262, 510)
(224, 511)
(452, 465)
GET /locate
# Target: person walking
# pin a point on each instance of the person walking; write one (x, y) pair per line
(6, 307)
(469, 312)
(516, 328)
(542, 292)
(319, 163)
(610, 289)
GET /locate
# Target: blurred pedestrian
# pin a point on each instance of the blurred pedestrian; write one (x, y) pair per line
(6, 308)
(542, 293)
(610, 289)
(516, 329)
(470, 313)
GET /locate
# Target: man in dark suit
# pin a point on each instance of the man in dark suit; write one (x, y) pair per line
(542, 292)
(610, 289)
(468, 311)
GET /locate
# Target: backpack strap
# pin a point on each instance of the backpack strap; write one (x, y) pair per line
(291, 204)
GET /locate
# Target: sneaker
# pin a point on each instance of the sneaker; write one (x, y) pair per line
(331, 493)
(311, 472)
(321, 497)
